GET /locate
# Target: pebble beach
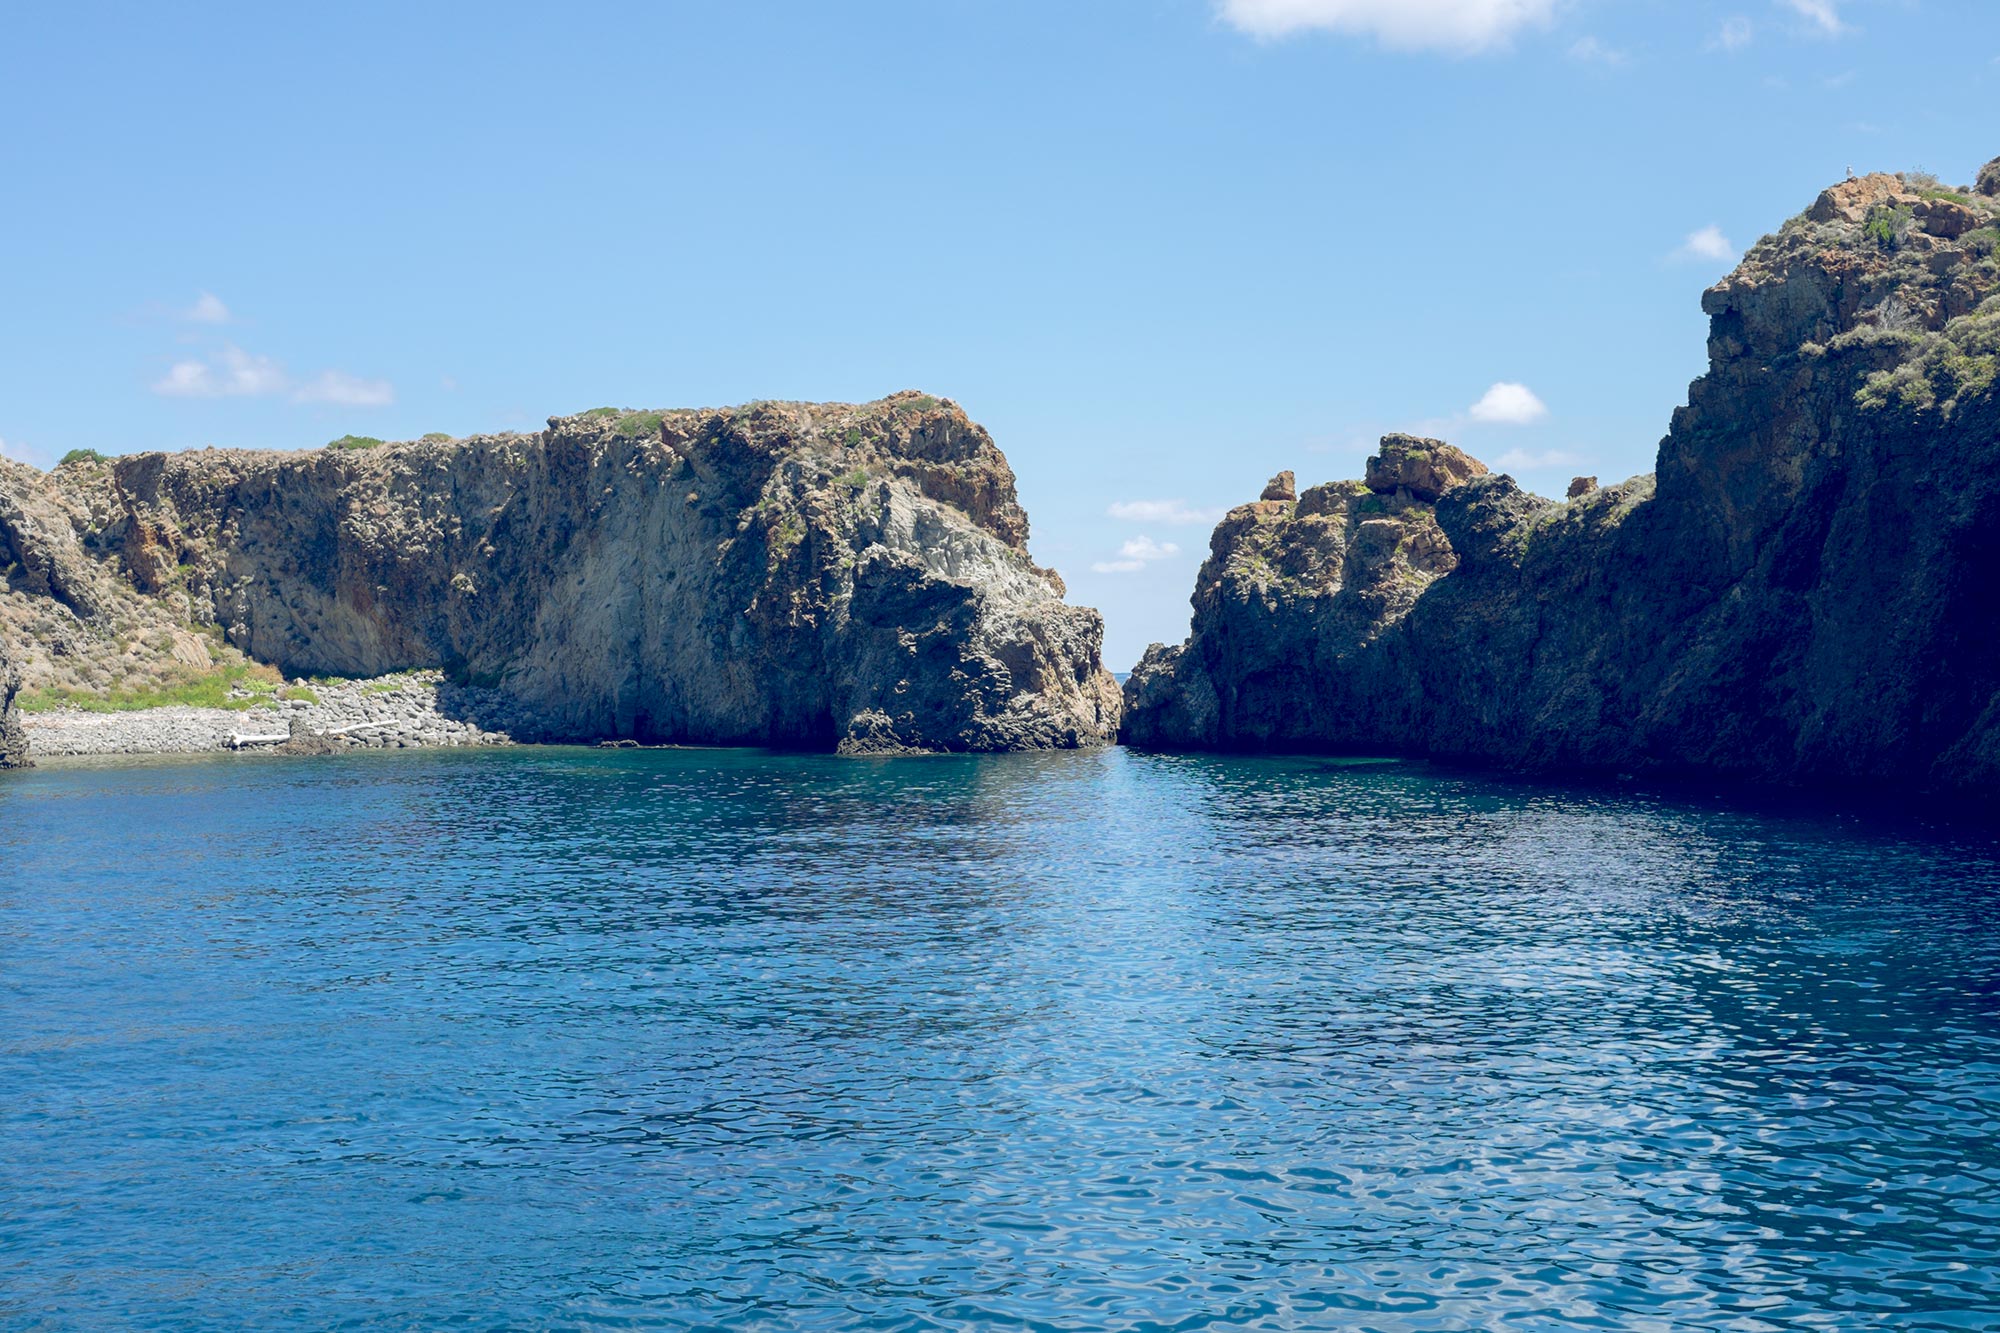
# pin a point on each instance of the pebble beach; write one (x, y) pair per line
(406, 711)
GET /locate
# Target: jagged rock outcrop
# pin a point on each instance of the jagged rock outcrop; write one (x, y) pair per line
(1293, 593)
(814, 575)
(13, 740)
(1802, 594)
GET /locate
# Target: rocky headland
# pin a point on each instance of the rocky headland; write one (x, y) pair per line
(1802, 593)
(828, 576)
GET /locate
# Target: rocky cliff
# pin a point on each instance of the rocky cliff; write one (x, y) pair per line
(815, 575)
(13, 740)
(1800, 594)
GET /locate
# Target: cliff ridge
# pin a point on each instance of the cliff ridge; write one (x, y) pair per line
(1799, 594)
(836, 576)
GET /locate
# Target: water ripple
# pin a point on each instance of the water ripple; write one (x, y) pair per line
(564, 1039)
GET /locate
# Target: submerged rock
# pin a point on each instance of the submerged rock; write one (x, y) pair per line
(1802, 593)
(815, 575)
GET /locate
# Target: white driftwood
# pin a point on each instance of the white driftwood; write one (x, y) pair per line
(238, 740)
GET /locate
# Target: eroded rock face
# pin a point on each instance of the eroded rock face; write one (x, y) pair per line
(1295, 594)
(822, 576)
(1803, 594)
(1419, 468)
(13, 740)
(1284, 486)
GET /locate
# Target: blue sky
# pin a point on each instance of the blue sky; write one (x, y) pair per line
(1161, 248)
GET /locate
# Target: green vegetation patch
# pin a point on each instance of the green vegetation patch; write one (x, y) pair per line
(640, 423)
(206, 689)
(81, 456)
(436, 437)
(299, 694)
(1943, 371)
(854, 477)
(1887, 227)
(354, 442)
(600, 412)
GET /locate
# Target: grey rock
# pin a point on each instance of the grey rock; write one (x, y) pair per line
(787, 574)
(1801, 594)
(13, 736)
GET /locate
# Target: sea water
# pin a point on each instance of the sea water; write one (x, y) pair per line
(680, 1039)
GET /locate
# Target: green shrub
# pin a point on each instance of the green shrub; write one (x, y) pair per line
(81, 456)
(1941, 371)
(855, 477)
(436, 437)
(1983, 243)
(640, 423)
(354, 442)
(600, 412)
(300, 694)
(1887, 226)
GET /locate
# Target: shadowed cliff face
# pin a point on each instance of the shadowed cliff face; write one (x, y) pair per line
(1804, 596)
(13, 740)
(789, 574)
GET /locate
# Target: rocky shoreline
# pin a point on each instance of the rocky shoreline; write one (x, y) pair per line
(1800, 595)
(851, 578)
(411, 710)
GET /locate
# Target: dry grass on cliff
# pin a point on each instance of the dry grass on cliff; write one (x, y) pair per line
(238, 688)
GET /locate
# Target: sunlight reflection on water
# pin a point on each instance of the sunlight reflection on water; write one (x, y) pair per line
(721, 1039)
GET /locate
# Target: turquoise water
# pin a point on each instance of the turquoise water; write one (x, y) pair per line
(570, 1039)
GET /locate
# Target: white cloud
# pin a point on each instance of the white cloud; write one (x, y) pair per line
(334, 386)
(1527, 460)
(1461, 27)
(1162, 511)
(1734, 35)
(1824, 15)
(1509, 404)
(1135, 555)
(1708, 245)
(1590, 51)
(207, 309)
(235, 373)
